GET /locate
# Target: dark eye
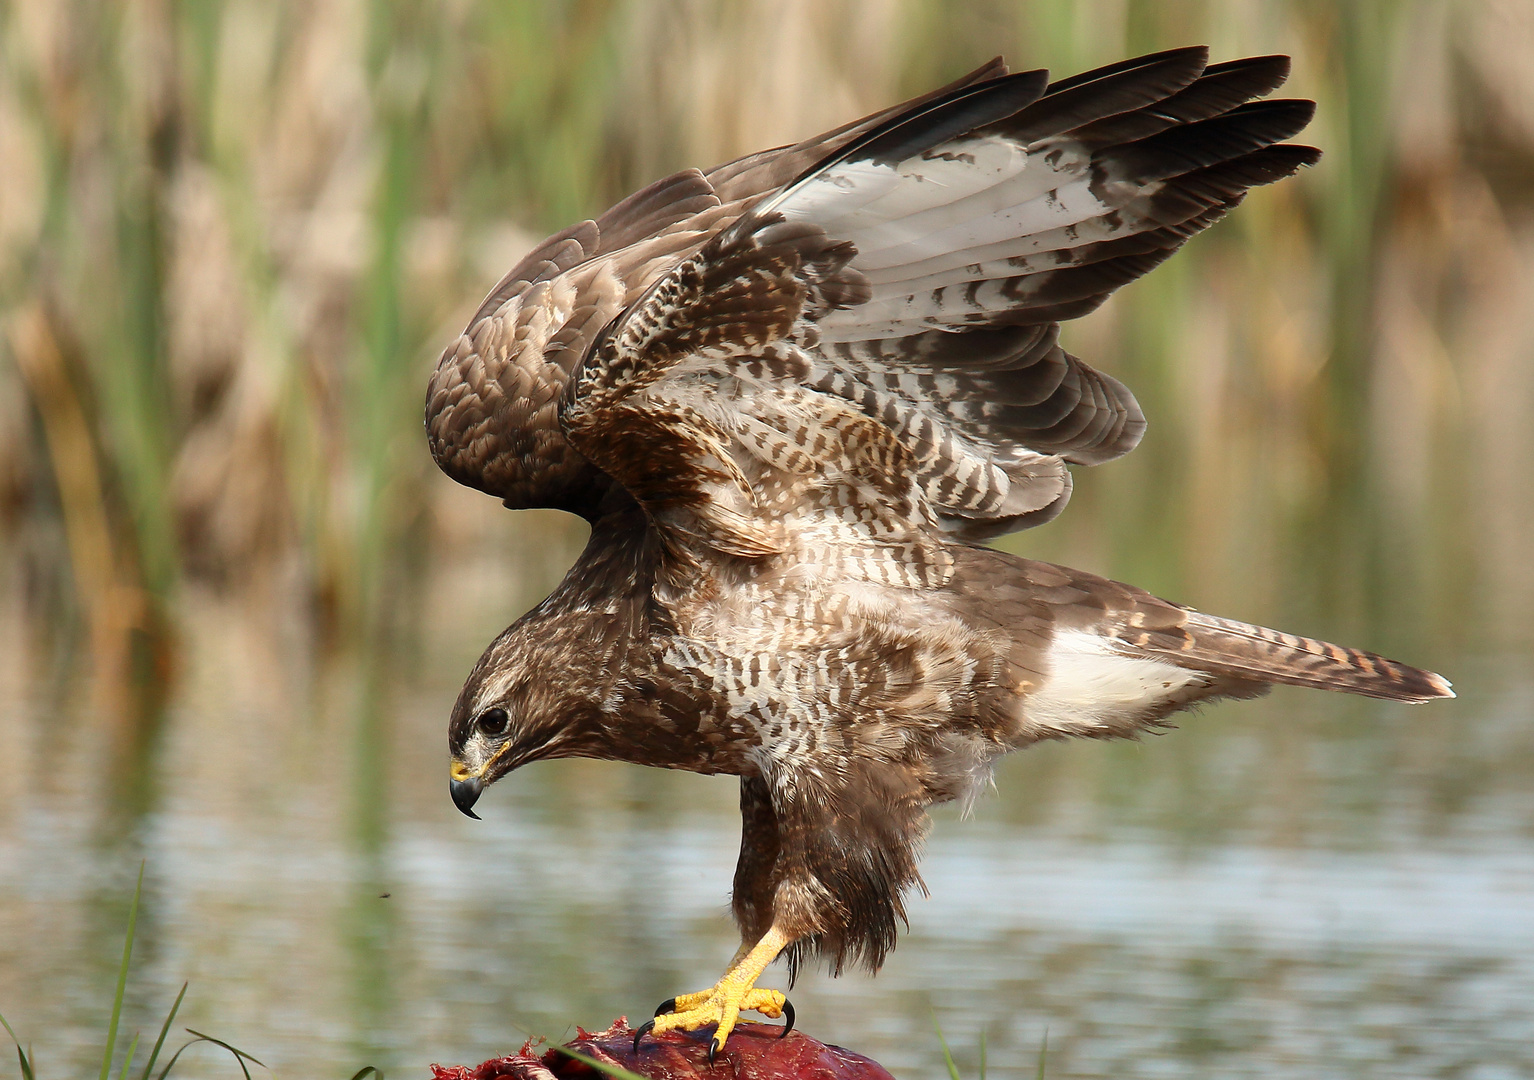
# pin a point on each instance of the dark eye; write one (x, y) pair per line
(493, 721)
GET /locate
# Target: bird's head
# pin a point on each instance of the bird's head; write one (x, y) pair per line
(509, 712)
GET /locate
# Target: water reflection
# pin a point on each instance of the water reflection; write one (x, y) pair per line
(1301, 886)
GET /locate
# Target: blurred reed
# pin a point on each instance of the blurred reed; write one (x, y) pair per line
(235, 233)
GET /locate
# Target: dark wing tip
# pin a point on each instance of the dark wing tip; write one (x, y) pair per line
(1436, 686)
(1271, 71)
(970, 106)
(1190, 55)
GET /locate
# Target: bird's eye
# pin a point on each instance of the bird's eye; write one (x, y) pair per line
(493, 721)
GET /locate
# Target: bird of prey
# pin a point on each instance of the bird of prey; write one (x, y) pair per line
(793, 395)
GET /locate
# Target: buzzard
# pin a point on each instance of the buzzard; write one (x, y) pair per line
(793, 395)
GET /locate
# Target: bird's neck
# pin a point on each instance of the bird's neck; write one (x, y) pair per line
(615, 571)
(622, 690)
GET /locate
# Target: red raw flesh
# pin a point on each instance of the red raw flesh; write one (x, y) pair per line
(754, 1052)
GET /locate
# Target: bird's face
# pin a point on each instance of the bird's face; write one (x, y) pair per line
(504, 717)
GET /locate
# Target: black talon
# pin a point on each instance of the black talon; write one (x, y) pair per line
(667, 1006)
(644, 1029)
(713, 1048)
(788, 1015)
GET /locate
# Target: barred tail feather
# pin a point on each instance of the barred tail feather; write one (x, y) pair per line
(1242, 650)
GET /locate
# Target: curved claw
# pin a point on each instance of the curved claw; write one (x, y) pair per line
(644, 1029)
(788, 1017)
(713, 1049)
(667, 1006)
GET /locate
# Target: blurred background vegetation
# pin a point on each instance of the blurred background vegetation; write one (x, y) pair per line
(236, 597)
(234, 234)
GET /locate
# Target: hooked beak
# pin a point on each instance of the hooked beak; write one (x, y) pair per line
(466, 794)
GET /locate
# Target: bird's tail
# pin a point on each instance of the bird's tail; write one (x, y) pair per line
(1243, 651)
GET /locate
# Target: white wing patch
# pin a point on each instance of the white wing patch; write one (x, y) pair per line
(1090, 689)
(956, 171)
(957, 214)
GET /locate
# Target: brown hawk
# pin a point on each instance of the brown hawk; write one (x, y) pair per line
(792, 395)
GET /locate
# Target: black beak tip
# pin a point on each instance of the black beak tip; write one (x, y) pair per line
(465, 795)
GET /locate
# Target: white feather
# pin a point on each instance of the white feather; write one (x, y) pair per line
(971, 209)
(1090, 689)
(924, 236)
(837, 192)
(1013, 257)
(950, 174)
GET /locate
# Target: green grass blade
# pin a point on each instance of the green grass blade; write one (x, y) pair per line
(154, 1055)
(122, 979)
(617, 1072)
(982, 1054)
(26, 1066)
(171, 1064)
(953, 1070)
(128, 1058)
(239, 1055)
(368, 1069)
(1043, 1053)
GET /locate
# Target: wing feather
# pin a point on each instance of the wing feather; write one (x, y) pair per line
(896, 282)
(484, 422)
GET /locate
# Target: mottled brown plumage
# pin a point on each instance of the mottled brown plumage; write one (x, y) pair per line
(790, 394)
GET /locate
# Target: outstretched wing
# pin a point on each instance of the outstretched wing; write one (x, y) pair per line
(1030, 206)
(492, 403)
(889, 315)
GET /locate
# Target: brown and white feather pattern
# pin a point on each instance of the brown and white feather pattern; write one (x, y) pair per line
(790, 393)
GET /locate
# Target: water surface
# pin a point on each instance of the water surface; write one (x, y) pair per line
(1303, 886)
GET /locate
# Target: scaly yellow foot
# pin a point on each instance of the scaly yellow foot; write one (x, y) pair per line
(722, 1004)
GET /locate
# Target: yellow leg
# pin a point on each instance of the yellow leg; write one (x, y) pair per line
(723, 1002)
